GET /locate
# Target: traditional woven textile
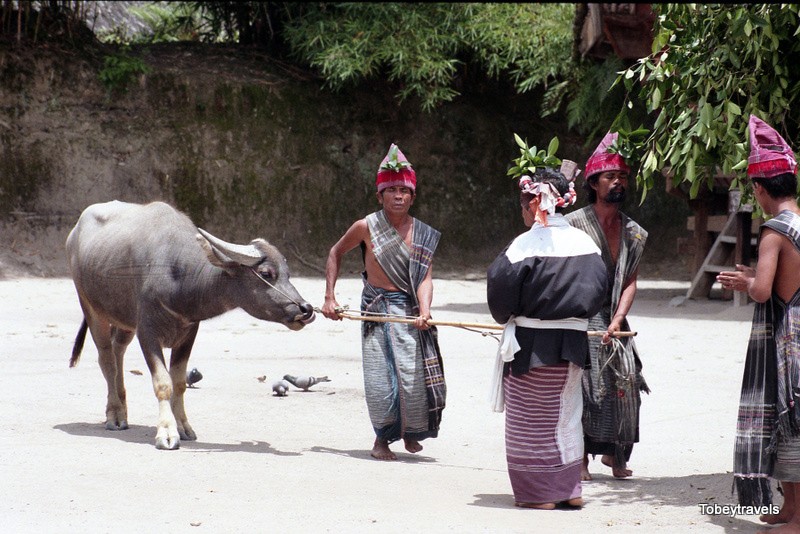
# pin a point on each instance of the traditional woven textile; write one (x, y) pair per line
(406, 269)
(614, 381)
(769, 412)
(544, 440)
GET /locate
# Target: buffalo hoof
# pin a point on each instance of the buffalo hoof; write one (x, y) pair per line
(112, 425)
(168, 444)
(187, 434)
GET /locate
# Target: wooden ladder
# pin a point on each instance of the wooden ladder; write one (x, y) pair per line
(721, 257)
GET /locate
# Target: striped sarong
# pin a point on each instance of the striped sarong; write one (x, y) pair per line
(768, 422)
(394, 380)
(396, 354)
(544, 439)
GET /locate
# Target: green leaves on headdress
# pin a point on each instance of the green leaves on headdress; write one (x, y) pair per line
(531, 158)
(393, 163)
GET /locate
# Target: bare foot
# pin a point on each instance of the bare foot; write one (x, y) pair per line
(575, 502)
(412, 446)
(618, 472)
(775, 519)
(585, 474)
(537, 505)
(380, 451)
(788, 528)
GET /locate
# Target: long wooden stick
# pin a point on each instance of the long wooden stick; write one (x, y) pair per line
(481, 326)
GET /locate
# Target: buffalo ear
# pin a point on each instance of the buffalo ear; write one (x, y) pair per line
(214, 256)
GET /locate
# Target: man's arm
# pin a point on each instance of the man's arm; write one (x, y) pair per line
(425, 297)
(756, 282)
(623, 307)
(354, 235)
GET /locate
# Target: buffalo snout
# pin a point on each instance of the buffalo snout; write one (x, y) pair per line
(308, 313)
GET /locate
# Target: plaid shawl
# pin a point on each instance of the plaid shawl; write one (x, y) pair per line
(767, 407)
(406, 269)
(615, 378)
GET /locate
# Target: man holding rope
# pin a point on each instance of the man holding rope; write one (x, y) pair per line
(613, 381)
(544, 287)
(403, 374)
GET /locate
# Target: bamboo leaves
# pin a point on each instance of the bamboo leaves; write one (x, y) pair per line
(423, 48)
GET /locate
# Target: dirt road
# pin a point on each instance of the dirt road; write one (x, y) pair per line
(301, 463)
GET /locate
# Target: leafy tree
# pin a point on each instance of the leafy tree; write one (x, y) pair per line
(712, 66)
(425, 48)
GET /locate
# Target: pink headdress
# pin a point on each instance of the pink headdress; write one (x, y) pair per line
(602, 160)
(770, 155)
(395, 170)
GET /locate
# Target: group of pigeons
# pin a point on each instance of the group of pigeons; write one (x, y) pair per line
(280, 387)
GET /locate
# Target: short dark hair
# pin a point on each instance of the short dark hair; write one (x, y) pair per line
(780, 186)
(550, 176)
(587, 186)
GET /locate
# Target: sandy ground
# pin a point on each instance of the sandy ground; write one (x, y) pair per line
(301, 463)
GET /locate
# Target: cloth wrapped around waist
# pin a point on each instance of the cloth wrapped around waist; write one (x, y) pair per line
(509, 346)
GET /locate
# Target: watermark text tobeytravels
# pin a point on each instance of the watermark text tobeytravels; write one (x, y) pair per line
(732, 510)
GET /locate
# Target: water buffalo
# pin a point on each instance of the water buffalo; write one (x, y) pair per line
(147, 270)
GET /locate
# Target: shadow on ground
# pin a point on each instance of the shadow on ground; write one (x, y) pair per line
(682, 492)
(145, 435)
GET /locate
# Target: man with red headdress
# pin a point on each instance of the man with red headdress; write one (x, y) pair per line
(403, 375)
(613, 381)
(768, 426)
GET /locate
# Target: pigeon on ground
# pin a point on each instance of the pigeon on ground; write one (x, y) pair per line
(304, 382)
(281, 388)
(261, 378)
(192, 377)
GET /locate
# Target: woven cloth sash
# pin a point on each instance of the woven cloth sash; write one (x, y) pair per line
(509, 346)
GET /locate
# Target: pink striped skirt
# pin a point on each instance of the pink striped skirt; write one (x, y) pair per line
(544, 436)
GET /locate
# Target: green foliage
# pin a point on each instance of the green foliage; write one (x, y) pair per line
(712, 66)
(629, 144)
(531, 158)
(168, 21)
(592, 102)
(424, 48)
(428, 51)
(119, 70)
(529, 43)
(165, 22)
(393, 163)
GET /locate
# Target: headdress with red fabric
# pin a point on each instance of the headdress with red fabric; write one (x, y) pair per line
(603, 161)
(395, 170)
(770, 155)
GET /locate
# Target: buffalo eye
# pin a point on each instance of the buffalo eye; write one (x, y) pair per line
(267, 273)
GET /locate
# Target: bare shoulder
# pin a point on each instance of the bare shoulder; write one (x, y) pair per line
(358, 232)
(360, 228)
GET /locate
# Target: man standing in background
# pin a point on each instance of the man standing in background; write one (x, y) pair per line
(613, 381)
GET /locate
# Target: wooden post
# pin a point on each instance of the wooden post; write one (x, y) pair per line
(743, 254)
(702, 241)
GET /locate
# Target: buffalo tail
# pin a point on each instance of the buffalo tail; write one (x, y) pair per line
(78, 347)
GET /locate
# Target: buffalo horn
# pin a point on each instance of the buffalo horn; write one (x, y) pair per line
(243, 254)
